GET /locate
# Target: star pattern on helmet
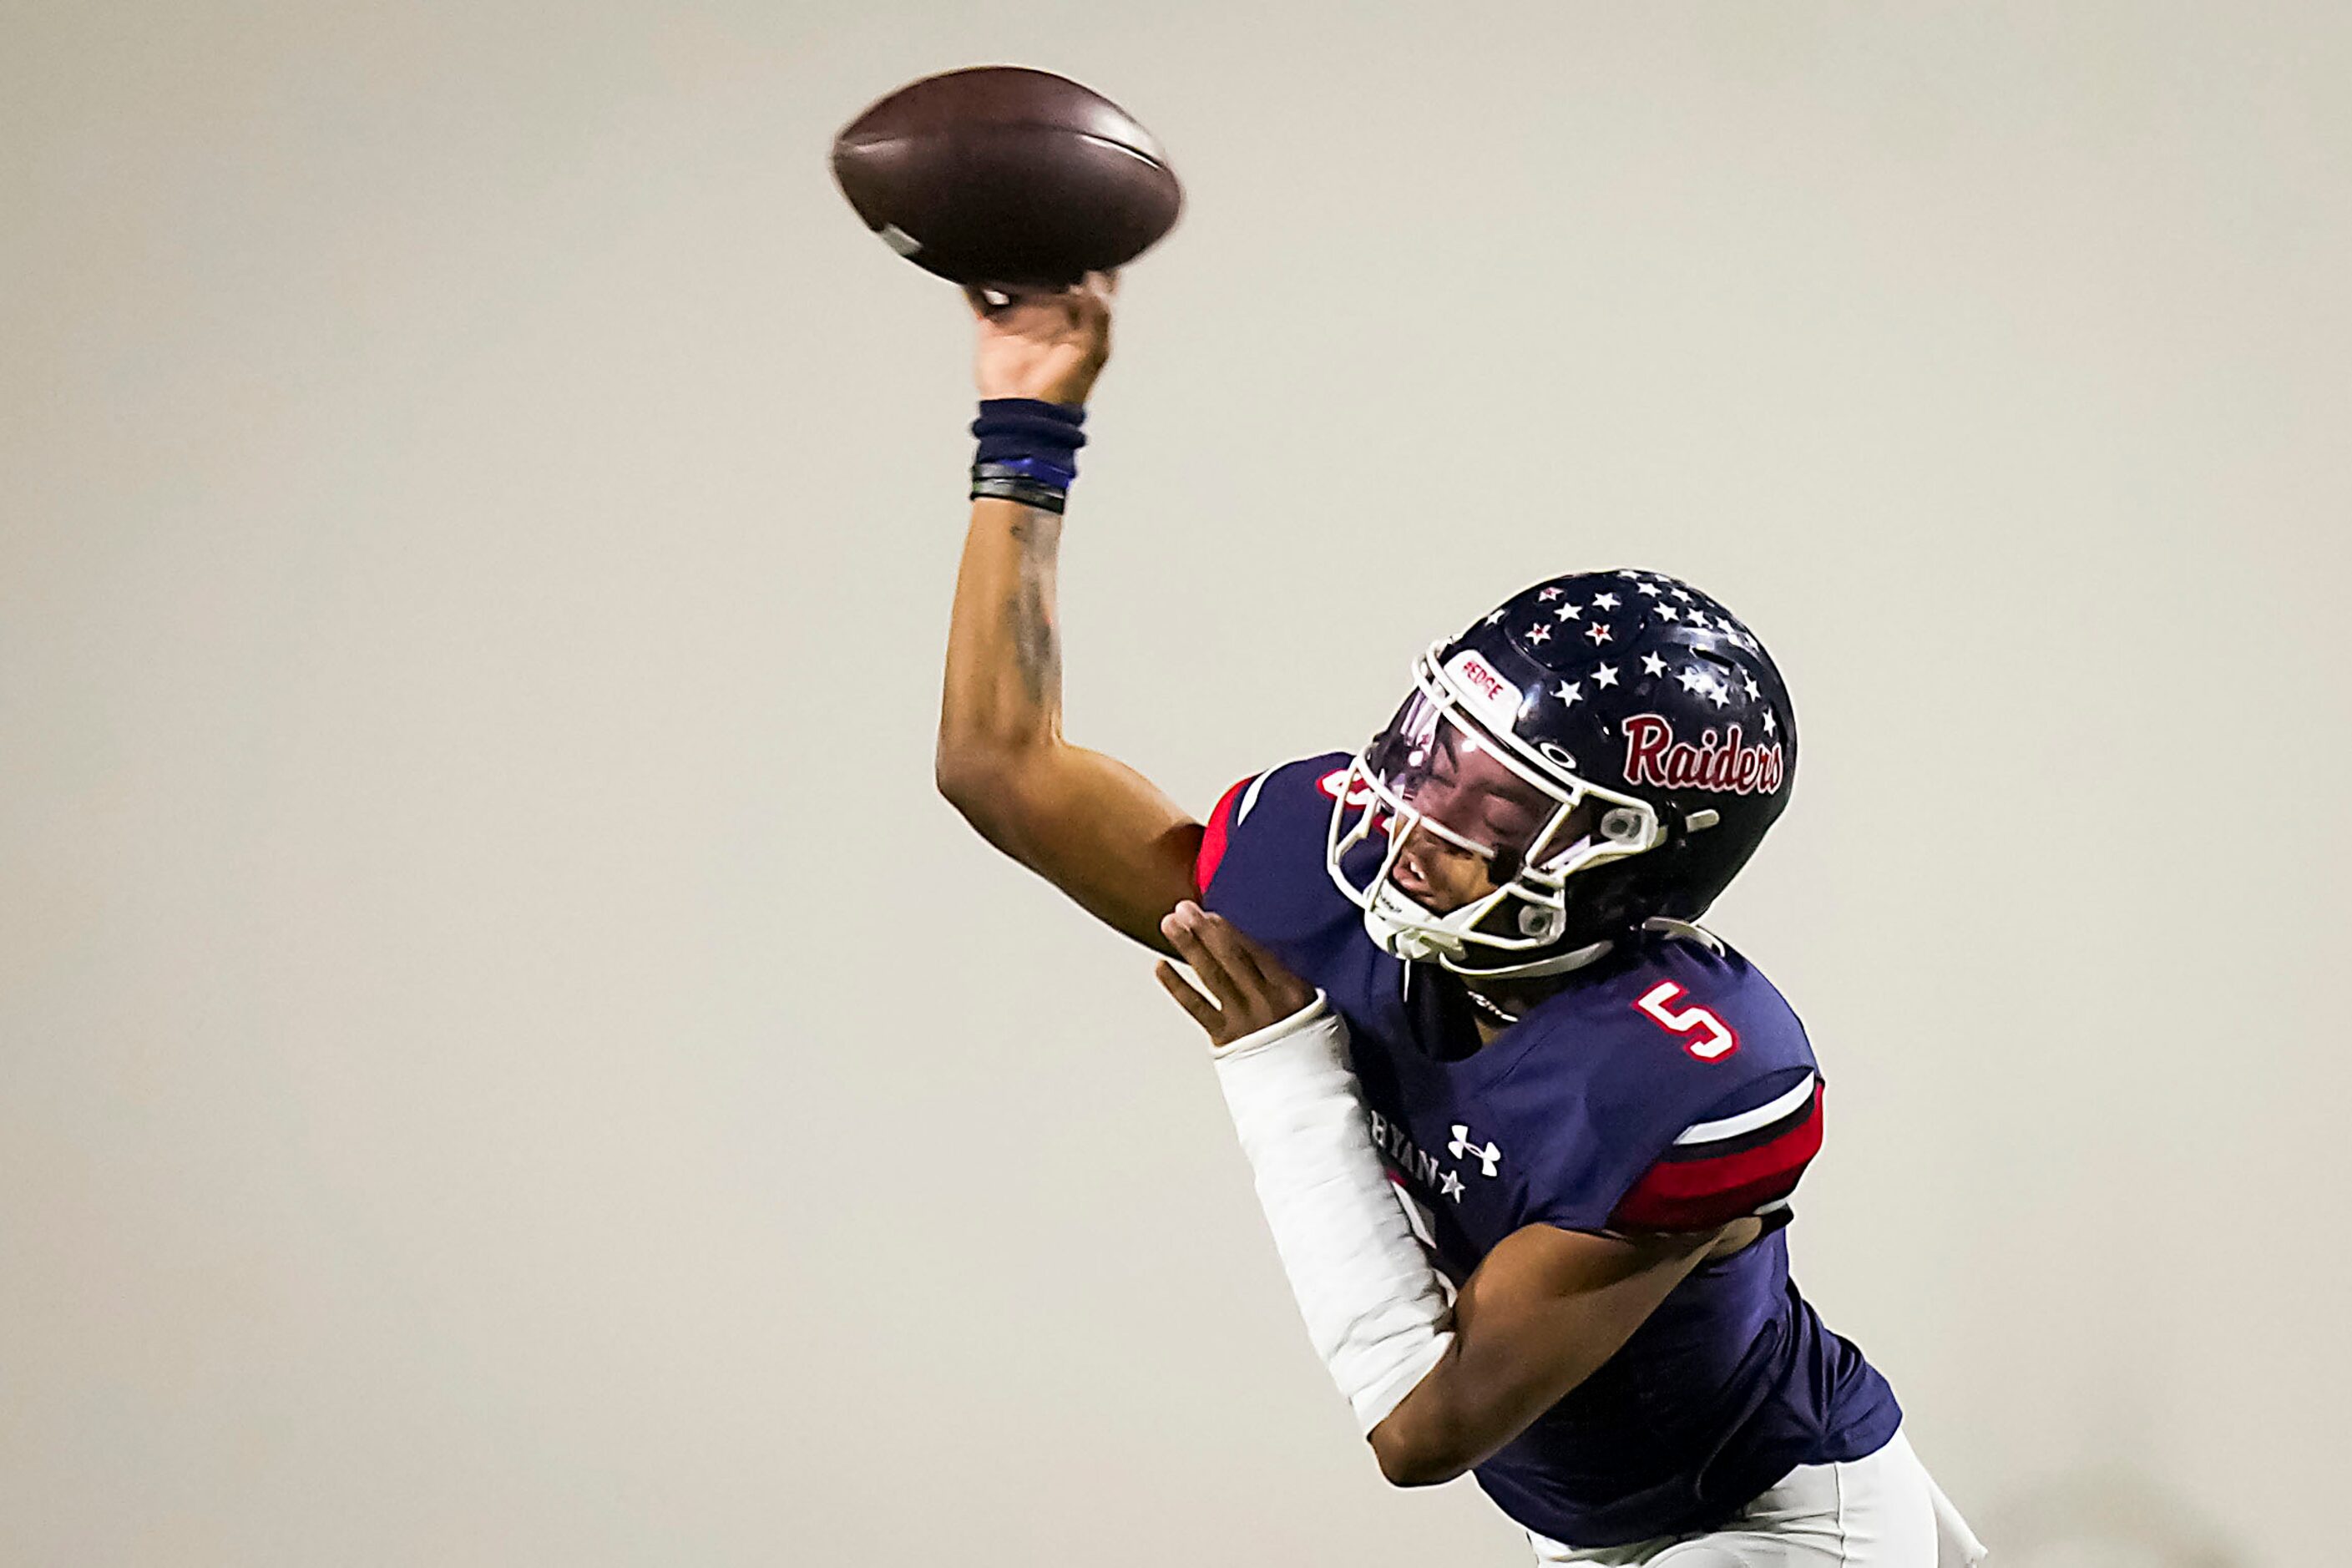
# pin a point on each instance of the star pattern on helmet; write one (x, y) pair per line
(1714, 677)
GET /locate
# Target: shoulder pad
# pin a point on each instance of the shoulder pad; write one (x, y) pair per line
(1667, 1040)
(1261, 854)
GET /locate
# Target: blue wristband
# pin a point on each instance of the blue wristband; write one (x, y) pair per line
(1029, 439)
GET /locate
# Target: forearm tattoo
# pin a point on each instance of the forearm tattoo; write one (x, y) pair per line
(1029, 612)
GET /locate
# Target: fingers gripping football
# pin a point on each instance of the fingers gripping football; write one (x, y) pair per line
(1248, 988)
(1050, 346)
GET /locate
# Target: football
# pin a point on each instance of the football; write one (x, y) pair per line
(1006, 176)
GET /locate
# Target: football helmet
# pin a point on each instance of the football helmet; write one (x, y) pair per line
(1607, 748)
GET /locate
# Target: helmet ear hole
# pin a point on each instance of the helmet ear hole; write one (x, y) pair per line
(1540, 923)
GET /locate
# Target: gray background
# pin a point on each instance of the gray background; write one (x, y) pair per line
(505, 1060)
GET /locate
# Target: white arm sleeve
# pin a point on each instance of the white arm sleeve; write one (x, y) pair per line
(1375, 1309)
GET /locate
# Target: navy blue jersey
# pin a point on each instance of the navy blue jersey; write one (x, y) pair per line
(1667, 1086)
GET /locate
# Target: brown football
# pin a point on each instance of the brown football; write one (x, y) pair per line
(1005, 175)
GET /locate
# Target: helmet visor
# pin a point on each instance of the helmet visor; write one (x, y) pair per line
(1457, 782)
(1452, 778)
(1449, 835)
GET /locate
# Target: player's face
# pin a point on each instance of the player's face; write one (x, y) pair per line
(1478, 818)
(1440, 877)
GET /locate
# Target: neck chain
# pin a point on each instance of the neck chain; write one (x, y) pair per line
(1488, 1007)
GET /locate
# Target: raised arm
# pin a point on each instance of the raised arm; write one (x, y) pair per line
(1090, 824)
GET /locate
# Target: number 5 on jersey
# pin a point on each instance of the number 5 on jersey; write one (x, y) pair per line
(1716, 1038)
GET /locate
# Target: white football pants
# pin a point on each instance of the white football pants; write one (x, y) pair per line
(1883, 1511)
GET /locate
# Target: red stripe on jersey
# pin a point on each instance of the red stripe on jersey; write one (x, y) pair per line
(1212, 841)
(1698, 1194)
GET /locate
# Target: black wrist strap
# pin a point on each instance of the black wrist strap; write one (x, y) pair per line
(1007, 482)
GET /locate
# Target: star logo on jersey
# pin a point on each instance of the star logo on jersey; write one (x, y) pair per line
(1451, 1185)
(1490, 1159)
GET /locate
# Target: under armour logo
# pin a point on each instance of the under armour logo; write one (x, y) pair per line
(1490, 1158)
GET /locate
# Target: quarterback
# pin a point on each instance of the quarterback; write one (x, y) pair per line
(1525, 1133)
